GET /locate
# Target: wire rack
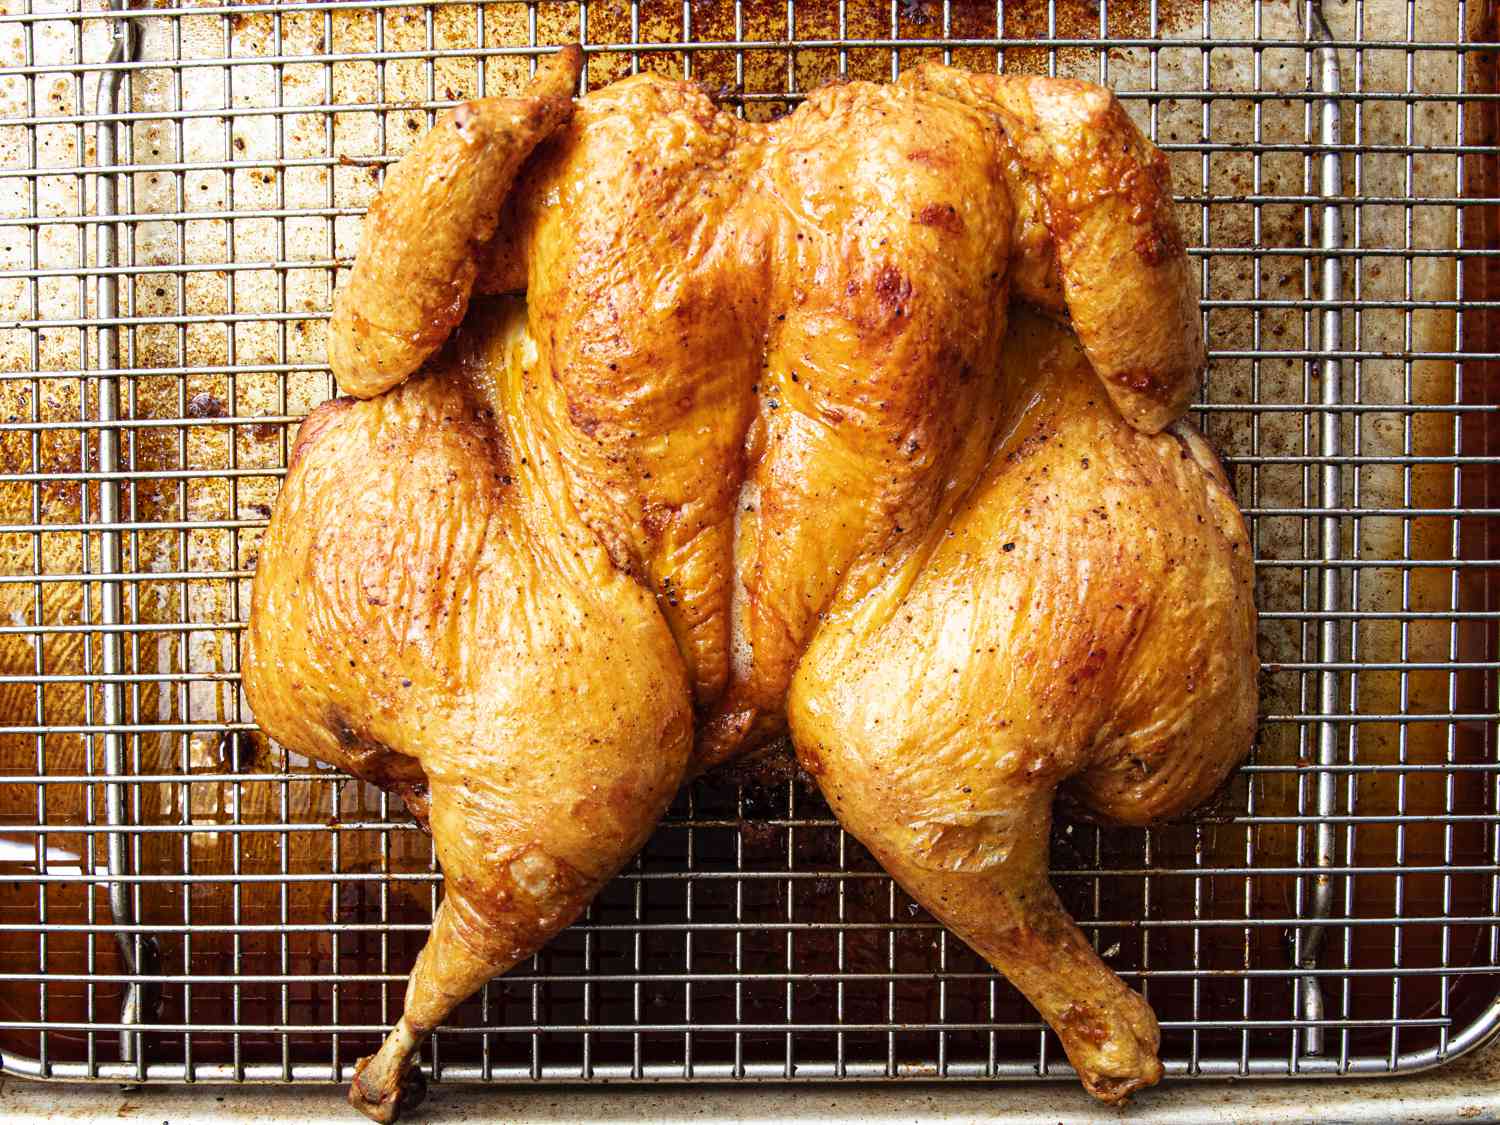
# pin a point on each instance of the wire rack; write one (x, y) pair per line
(182, 900)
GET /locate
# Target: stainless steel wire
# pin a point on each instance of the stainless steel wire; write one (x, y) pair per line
(181, 900)
(1308, 944)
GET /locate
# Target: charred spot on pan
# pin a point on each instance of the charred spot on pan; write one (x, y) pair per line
(205, 405)
(237, 750)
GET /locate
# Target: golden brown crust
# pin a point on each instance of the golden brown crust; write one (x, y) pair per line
(420, 618)
(647, 307)
(871, 388)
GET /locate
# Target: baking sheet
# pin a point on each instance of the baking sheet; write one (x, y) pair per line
(245, 190)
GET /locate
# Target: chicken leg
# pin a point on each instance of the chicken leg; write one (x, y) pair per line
(1052, 633)
(541, 763)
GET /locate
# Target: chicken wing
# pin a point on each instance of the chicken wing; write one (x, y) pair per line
(417, 255)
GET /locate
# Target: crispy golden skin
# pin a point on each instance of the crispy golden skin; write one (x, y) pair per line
(760, 344)
(756, 431)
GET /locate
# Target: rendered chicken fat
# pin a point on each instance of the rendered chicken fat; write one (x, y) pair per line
(771, 445)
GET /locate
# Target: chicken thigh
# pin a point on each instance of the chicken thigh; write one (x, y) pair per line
(762, 450)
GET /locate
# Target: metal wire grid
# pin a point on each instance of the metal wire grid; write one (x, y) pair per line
(220, 910)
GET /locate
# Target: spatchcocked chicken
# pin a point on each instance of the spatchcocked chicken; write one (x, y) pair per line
(777, 442)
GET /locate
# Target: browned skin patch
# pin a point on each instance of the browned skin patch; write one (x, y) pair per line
(1138, 380)
(381, 766)
(929, 157)
(1135, 686)
(944, 216)
(1082, 1022)
(893, 289)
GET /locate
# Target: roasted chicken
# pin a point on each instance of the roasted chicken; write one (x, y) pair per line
(764, 450)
